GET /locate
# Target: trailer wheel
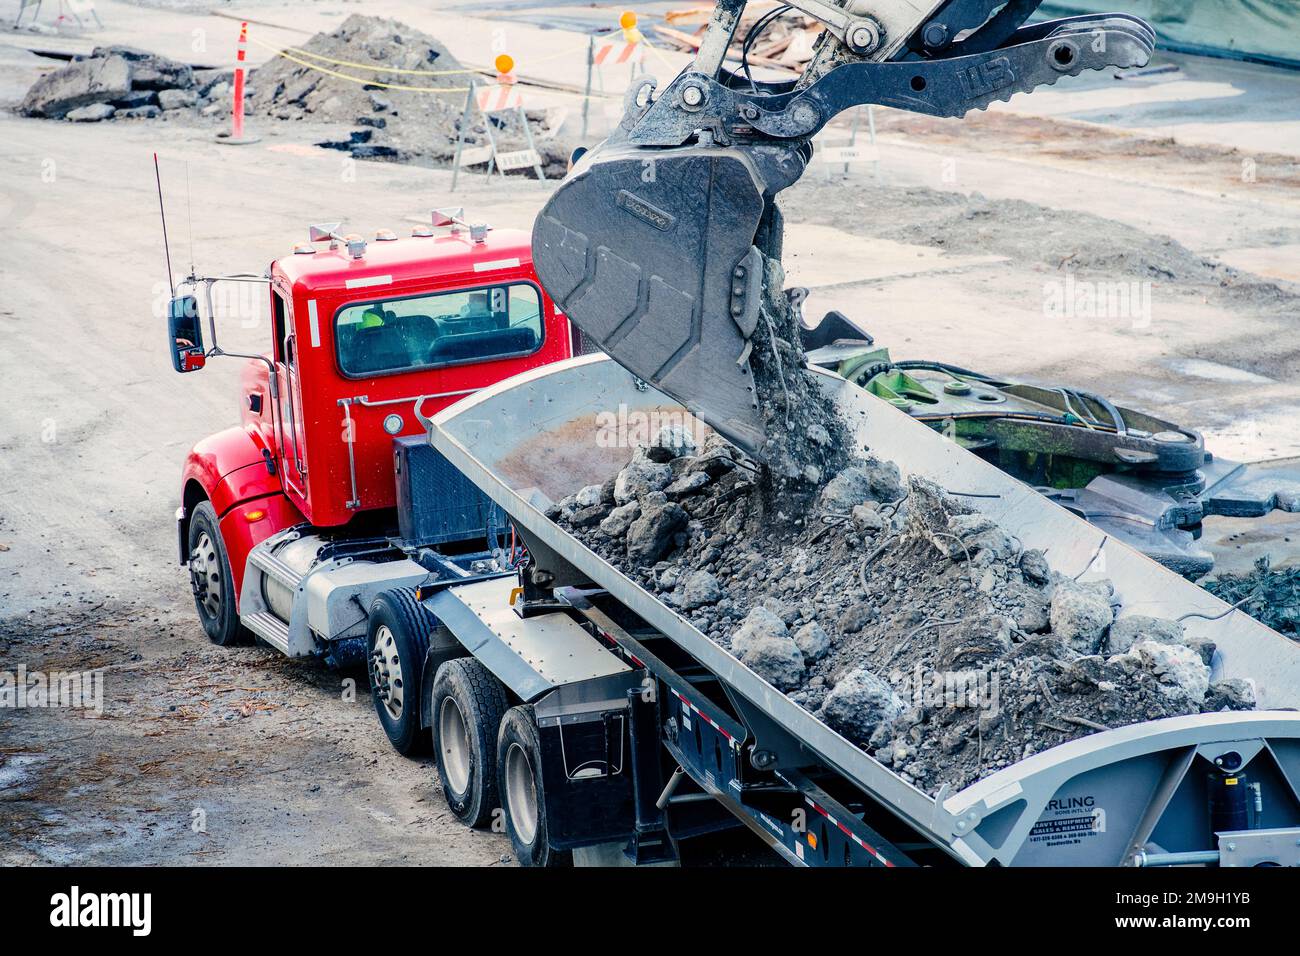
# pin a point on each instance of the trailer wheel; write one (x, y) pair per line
(397, 638)
(211, 580)
(518, 758)
(467, 706)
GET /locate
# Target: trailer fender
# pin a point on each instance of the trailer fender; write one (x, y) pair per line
(530, 656)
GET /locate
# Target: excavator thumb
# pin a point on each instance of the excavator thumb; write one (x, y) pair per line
(654, 244)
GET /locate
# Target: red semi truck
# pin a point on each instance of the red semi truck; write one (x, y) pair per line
(289, 522)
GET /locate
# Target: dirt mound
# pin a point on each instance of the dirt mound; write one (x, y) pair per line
(914, 626)
(404, 125)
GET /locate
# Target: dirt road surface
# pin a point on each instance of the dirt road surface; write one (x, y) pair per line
(237, 756)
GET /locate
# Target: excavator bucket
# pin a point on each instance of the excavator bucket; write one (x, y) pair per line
(654, 243)
(652, 253)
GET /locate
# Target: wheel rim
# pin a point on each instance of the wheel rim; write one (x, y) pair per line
(521, 793)
(205, 576)
(386, 672)
(453, 741)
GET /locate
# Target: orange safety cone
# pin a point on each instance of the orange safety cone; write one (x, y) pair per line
(236, 136)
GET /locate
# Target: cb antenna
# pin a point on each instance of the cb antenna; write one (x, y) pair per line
(171, 284)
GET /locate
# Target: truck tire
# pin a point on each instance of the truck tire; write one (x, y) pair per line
(211, 580)
(523, 799)
(397, 639)
(467, 706)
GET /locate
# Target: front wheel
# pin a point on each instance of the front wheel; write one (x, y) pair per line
(519, 756)
(211, 580)
(398, 638)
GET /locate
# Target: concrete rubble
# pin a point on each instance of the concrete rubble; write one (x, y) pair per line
(121, 82)
(911, 624)
(419, 126)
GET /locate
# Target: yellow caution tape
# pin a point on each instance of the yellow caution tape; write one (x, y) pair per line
(364, 81)
(380, 68)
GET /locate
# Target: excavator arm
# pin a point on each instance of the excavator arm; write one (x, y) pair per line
(656, 242)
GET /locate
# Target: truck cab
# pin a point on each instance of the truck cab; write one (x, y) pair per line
(326, 493)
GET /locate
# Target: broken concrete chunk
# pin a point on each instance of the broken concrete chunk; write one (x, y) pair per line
(972, 642)
(1203, 646)
(859, 703)
(587, 496)
(1178, 669)
(93, 113)
(177, 99)
(688, 484)
(978, 533)
(640, 477)
(700, 588)
(813, 641)
(78, 84)
(650, 536)
(620, 519)
(867, 519)
(1032, 608)
(1034, 567)
(588, 516)
(759, 622)
(1232, 693)
(1129, 630)
(673, 441)
(149, 71)
(1080, 616)
(776, 659)
(864, 480)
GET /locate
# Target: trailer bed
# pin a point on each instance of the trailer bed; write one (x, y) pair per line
(535, 438)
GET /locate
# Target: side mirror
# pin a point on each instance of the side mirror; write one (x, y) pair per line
(185, 334)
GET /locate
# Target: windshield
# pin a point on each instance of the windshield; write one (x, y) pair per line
(445, 328)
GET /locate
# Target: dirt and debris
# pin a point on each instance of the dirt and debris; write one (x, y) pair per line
(402, 125)
(418, 125)
(193, 753)
(1270, 596)
(123, 82)
(913, 625)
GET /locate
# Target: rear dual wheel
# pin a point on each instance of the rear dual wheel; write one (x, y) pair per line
(397, 642)
(468, 703)
(519, 757)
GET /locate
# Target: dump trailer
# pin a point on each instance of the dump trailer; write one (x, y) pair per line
(607, 724)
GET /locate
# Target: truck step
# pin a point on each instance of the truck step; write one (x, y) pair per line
(270, 629)
(262, 559)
